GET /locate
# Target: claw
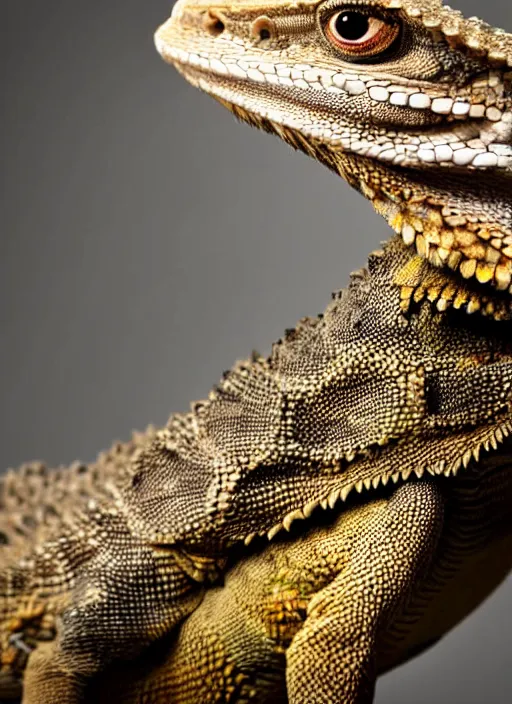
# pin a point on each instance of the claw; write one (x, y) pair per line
(16, 640)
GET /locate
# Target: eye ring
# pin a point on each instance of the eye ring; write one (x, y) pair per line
(361, 35)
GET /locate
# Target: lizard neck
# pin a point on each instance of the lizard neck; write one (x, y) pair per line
(461, 225)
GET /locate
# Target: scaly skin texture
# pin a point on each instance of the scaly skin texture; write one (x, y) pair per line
(326, 611)
(393, 409)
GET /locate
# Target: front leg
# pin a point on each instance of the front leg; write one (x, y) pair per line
(54, 679)
(332, 659)
(124, 598)
(304, 613)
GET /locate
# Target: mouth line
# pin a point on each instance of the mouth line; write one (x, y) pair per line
(233, 57)
(419, 150)
(307, 108)
(227, 89)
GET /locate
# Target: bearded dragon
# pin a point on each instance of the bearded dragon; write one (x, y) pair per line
(376, 434)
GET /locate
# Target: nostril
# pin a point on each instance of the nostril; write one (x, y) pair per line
(263, 28)
(214, 23)
(217, 27)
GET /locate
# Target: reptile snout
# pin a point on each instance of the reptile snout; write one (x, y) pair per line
(196, 25)
(189, 26)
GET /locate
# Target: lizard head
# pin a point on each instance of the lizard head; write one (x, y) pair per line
(407, 100)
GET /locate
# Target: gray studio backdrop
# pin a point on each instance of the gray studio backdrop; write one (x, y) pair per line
(148, 240)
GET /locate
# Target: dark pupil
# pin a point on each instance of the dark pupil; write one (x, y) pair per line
(352, 25)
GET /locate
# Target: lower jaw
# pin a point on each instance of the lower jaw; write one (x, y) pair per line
(462, 232)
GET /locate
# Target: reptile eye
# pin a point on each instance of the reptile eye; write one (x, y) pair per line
(360, 35)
